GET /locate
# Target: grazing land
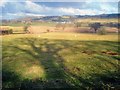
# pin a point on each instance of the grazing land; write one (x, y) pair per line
(91, 20)
(60, 45)
(60, 60)
(61, 55)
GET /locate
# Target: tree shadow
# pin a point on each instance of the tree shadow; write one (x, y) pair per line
(10, 79)
(56, 73)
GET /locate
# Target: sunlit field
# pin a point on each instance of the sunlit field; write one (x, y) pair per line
(60, 45)
(91, 20)
(60, 60)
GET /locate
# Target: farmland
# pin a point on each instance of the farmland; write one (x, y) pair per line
(60, 45)
(84, 26)
(61, 55)
(90, 20)
(60, 60)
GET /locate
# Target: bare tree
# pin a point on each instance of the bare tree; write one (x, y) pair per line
(26, 27)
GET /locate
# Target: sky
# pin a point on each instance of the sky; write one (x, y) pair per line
(16, 8)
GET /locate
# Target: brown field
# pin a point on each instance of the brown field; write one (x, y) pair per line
(44, 29)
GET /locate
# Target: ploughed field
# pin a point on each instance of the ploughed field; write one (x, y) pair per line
(60, 60)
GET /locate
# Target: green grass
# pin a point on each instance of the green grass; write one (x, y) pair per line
(33, 24)
(14, 24)
(60, 60)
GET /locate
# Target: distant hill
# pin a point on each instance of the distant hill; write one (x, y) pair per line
(62, 18)
(99, 16)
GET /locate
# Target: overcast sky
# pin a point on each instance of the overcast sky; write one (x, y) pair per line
(16, 9)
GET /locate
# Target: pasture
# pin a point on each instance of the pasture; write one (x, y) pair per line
(60, 60)
(18, 24)
(91, 20)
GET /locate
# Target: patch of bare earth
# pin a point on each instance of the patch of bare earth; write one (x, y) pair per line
(41, 29)
(109, 53)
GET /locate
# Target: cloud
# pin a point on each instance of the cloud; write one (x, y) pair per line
(2, 3)
(30, 8)
(85, 9)
(36, 8)
(109, 7)
(75, 0)
(33, 7)
(68, 10)
(74, 11)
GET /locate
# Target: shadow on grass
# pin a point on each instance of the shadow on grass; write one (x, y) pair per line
(56, 73)
(10, 79)
(19, 33)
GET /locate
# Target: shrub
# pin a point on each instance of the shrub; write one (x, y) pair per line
(102, 31)
(48, 30)
(10, 31)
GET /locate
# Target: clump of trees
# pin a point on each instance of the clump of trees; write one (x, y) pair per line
(95, 26)
(111, 24)
(98, 28)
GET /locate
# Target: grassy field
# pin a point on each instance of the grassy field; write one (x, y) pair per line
(102, 21)
(18, 24)
(60, 60)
